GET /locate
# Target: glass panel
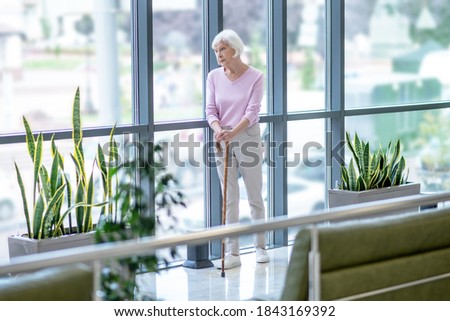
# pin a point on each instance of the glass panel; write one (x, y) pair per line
(177, 59)
(249, 19)
(424, 139)
(184, 152)
(396, 52)
(49, 48)
(306, 167)
(305, 55)
(185, 161)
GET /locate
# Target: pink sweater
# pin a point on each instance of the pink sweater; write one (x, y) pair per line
(229, 101)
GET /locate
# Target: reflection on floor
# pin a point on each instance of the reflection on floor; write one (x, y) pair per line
(249, 281)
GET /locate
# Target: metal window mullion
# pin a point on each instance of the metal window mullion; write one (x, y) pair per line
(277, 102)
(335, 87)
(142, 66)
(212, 25)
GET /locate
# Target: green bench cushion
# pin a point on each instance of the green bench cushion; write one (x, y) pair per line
(346, 246)
(64, 283)
(374, 276)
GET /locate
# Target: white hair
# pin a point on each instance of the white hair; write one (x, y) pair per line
(232, 39)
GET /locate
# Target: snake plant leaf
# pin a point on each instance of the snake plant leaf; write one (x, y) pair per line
(49, 213)
(380, 173)
(344, 178)
(30, 141)
(382, 159)
(113, 149)
(79, 166)
(352, 177)
(80, 162)
(365, 160)
(54, 173)
(77, 133)
(37, 161)
(106, 181)
(53, 147)
(69, 200)
(79, 211)
(350, 146)
(101, 163)
(45, 183)
(24, 201)
(87, 224)
(55, 151)
(396, 153)
(107, 169)
(112, 174)
(359, 152)
(373, 164)
(59, 204)
(397, 180)
(75, 206)
(386, 180)
(360, 184)
(38, 217)
(405, 177)
(374, 179)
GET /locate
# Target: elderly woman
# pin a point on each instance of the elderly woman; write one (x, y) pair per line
(233, 101)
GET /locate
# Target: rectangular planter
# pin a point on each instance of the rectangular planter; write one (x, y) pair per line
(337, 197)
(22, 245)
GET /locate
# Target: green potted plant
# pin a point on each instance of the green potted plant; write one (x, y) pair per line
(56, 199)
(133, 213)
(372, 176)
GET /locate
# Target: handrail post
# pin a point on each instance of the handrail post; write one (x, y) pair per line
(97, 268)
(314, 266)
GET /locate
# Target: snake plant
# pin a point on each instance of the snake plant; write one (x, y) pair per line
(46, 215)
(370, 170)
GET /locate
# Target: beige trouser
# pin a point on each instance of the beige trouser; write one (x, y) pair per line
(245, 156)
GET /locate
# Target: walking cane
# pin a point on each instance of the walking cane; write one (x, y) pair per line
(224, 202)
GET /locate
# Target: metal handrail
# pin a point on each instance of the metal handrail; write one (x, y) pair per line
(148, 245)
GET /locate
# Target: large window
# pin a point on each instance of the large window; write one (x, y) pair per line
(49, 48)
(392, 82)
(177, 60)
(184, 158)
(249, 19)
(424, 139)
(396, 52)
(305, 55)
(306, 167)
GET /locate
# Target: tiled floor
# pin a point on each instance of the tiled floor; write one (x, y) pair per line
(250, 280)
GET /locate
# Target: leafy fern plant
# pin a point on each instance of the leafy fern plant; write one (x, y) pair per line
(370, 170)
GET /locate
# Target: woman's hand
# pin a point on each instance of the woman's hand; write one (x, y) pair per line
(224, 135)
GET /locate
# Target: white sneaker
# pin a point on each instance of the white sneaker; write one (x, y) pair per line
(230, 261)
(261, 256)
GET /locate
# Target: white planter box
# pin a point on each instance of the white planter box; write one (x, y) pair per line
(22, 245)
(339, 197)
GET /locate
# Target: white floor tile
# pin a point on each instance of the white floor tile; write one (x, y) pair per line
(250, 280)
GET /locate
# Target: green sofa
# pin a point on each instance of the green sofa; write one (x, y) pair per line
(62, 283)
(366, 255)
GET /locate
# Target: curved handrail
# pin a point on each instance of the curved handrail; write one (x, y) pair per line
(148, 245)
